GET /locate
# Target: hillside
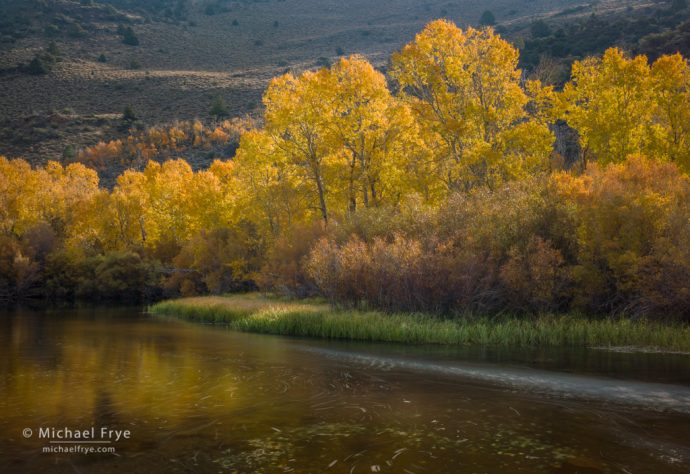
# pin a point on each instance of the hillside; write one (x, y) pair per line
(190, 52)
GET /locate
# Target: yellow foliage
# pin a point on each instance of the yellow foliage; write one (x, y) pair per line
(622, 106)
(445, 179)
(633, 221)
(464, 89)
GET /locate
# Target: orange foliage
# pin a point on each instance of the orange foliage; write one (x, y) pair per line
(614, 240)
(160, 143)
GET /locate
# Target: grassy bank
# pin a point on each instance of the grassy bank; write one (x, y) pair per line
(256, 313)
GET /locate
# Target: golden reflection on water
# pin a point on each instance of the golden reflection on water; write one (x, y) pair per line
(85, 370)
(200, 399)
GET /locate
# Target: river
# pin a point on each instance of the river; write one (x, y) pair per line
(202, 399)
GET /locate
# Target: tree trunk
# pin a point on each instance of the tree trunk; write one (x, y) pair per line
(352, 198)
(322, 196)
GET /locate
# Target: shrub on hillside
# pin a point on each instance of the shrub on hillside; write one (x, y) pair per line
(129, 37)
(219, 108)
(39, 65)
(487, 18)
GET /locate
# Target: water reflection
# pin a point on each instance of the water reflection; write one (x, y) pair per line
(201, 399)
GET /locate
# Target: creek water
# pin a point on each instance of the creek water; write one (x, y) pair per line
(203, 399)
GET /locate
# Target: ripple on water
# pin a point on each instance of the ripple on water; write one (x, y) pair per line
(651, 396)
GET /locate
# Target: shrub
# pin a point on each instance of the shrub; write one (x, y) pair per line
(611, 241)
(285, 269)
(535, 278)
(216, 262)
(487, 18)
(633, 228)
(323, 61)
(540, 29)
(51, 30)
(128, 114)
(75, 30)
(219, 109)
(122, 276)
(401, 274)
(129, 37)
(20, 275)
(53, 49)
(69, 153)
(38, 66)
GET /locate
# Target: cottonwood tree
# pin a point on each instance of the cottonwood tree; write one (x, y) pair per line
(369, 126)
(296, 108)
(464, 89)
(622, 106)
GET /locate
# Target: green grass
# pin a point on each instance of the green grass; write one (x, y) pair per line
(260, 314)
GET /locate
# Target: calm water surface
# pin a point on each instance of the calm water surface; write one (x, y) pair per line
(207, 400)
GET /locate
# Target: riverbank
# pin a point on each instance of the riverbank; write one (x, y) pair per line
(266, 315)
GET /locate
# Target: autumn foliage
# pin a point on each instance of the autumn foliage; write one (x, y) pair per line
(432, 189)
(161, 143)
(64, 236)
(613, 240)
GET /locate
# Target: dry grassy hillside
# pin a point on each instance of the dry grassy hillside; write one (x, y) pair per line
(179, 67)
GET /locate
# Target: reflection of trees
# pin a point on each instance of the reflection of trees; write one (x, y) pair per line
(103, 372)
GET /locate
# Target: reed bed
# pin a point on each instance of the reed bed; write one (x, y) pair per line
(260, 314)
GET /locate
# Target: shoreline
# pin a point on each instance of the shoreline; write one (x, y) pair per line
(309, 318)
